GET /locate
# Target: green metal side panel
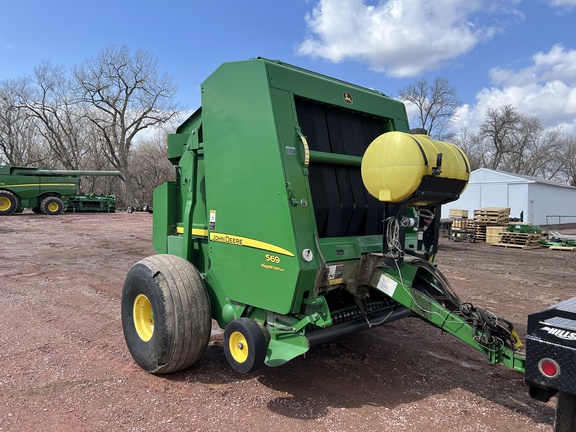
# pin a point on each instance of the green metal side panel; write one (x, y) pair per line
(163, 216)
(192, 223)
(175, 245)
(25, 186)
(252, 246)
(297, 192)
(181, 207)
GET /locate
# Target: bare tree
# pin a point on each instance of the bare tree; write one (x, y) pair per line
(127, 95)
(546, 155)
(569, 159)
(149, 168)
(48, 98)
(18, 143)
(471, 145)
(435, 102)
(518, 143)
(497, 131)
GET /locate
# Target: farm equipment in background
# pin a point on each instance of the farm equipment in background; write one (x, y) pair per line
(43, 190)
(137, 207)
(558, 240)
(303, 209)
(90, 203)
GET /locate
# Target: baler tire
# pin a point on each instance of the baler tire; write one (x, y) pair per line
(8, 203)
(565, 413)
(52, 206)
(245, 345)
(166, 314)
(36, 210)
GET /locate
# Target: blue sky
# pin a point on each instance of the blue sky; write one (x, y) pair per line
(494, 52)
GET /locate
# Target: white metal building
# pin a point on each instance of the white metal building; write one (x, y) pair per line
(533, 198)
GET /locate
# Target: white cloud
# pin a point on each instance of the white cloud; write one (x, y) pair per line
(399, 37)
(557, 64)
(565, 4)
(546, 89)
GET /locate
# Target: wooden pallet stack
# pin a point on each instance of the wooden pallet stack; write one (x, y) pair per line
(460, 219)
(490, 217)
(494, 234)
(520, 240)
(462, 227)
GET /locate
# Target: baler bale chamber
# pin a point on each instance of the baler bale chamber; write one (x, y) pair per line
(303, 209)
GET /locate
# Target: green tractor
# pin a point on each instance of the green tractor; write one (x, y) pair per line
(45, 191)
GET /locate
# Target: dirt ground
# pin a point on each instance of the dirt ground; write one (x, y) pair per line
(64, 365)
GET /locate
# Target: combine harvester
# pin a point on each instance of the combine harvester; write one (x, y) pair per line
(49, 191)
(304, 209)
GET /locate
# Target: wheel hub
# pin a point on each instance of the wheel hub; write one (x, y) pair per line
(4, 204)
(143, 317)
(238, 347)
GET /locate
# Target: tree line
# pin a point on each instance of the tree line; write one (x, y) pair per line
(93, 117)
(112, 112)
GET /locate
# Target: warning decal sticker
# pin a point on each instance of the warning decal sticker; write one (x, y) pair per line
(387, 285)
(335, 274)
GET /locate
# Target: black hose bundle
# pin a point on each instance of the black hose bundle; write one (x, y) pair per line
(488, 328)
(494, 329)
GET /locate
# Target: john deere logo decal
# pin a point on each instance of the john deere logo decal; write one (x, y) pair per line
(347, 98)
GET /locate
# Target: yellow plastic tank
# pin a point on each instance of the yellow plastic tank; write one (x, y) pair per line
(400, 167)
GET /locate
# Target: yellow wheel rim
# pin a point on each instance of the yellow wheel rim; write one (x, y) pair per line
(53, 207)
(4, 204)
(143, 317)
(238, 347)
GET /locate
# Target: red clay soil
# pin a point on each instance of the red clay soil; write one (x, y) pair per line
(64, 365)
